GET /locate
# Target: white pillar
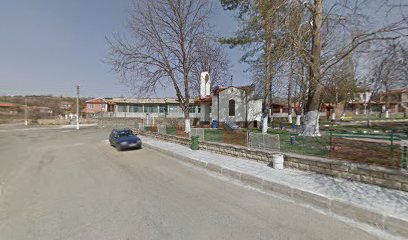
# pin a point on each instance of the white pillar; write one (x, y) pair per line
(297, 120)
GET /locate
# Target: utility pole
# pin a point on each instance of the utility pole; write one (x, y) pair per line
(25, 111)
(77, 108)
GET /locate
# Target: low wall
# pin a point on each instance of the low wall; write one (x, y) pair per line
(390, 178)
(118, 122)
(169, 138)
(385, 177)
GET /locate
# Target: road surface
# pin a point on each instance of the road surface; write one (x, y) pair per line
(67, 184)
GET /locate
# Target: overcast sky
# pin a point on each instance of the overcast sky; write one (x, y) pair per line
(49, 46)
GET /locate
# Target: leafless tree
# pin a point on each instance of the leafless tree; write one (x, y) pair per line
(336, 29)
(161, 47)
(212, 59)
(389, 71)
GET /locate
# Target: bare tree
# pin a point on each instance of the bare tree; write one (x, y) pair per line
(212, 59)
(336, 29)
(162, 46)
(389, 71)
(340, 84)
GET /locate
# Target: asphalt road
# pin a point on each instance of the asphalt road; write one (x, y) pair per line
(64, 184)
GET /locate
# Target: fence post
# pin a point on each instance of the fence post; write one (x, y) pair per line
(248, 144)
(392, 147)
(404, 154)
(331, 143)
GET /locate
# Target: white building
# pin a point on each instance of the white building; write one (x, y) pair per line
(143, 108)
(233, 104)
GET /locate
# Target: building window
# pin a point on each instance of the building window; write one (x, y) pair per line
(150, 108)
(136, 108)
(192, 109)
(173, 109)
(162, 109)
(199, 109)
(122, 108)
(231, 110)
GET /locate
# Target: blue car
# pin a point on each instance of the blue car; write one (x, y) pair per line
(123, 139)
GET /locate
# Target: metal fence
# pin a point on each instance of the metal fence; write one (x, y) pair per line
(198, 132)
(404, 154)
(313, 146)
(236, 137)
(390, 150)
(264, 141)
(379, 149)
(161, 129)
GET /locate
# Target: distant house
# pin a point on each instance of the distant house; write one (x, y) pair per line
(5, 105)
(65, 105)
(97, 106)
(45, 111)
(8, 108)
(397, 100)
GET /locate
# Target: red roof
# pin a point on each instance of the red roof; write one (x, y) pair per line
(394, 91)
(248, 87)
(206, 99)
(97, 100)
(4, 104)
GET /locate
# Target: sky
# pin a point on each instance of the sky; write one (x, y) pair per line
(50, 46)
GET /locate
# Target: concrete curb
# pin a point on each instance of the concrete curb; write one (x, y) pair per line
(391, 224)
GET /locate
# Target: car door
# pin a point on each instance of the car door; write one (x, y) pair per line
(112, 138)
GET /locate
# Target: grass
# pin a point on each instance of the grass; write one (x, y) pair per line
(214, 135)
(313, 146)
(352, 147)
(229, 137)
(379, 127)
(171, 130)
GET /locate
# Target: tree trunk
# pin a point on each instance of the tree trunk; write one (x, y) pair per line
(187, 127)
(369, 115)
(387, 103)
(311, 119)
(298, 120)
(268, 73)
(290, 83)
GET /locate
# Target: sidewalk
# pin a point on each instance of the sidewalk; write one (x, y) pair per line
(374, 205)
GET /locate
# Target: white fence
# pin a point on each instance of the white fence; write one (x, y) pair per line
(198, 132)
(264, 141)
(161, 129)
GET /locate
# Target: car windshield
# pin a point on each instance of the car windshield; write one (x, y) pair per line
(126, 133)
